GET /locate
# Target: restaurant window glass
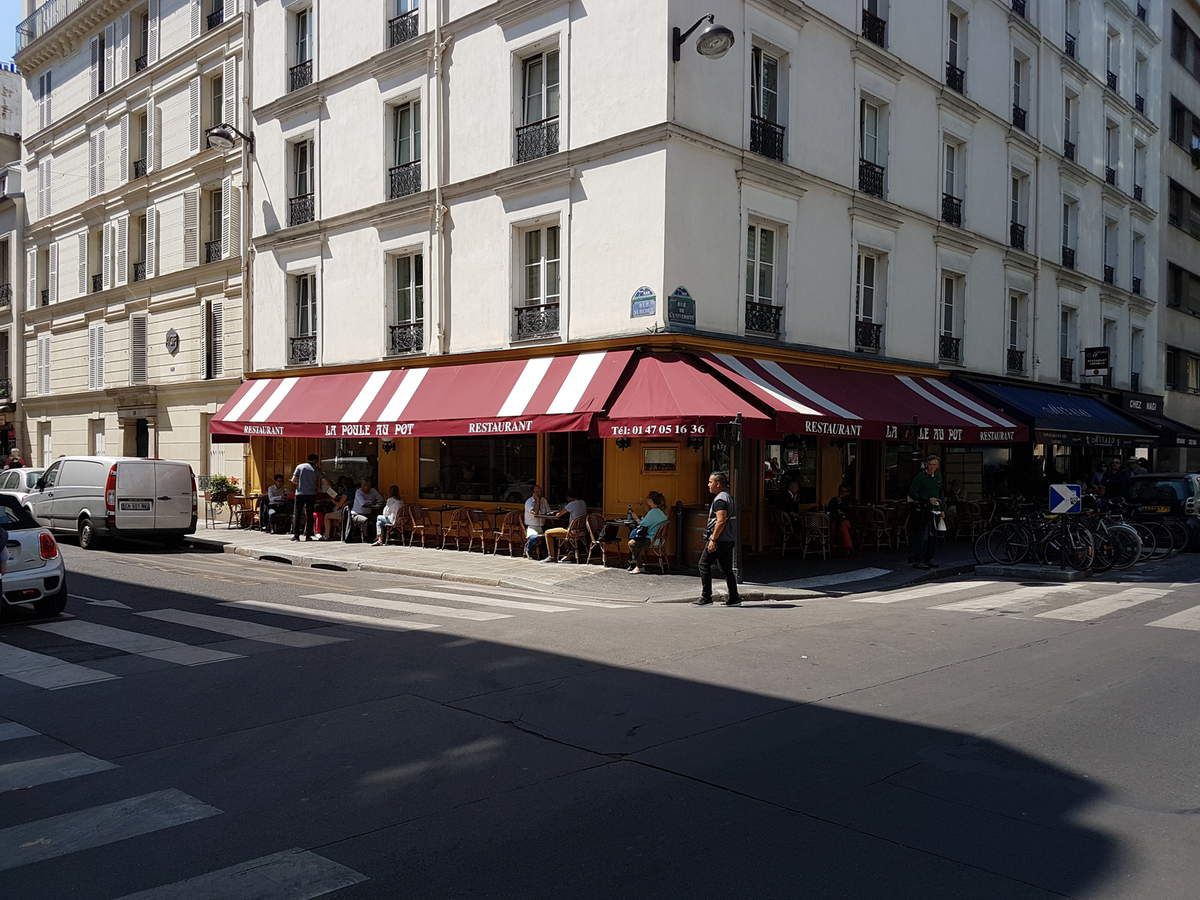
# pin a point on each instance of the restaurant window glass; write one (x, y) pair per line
(901, 462)
(793, 459)
(350, 458)
(478, 468)
(575, 466)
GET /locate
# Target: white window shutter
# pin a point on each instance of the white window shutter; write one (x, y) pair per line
(123, 47)
(110, 53)
(43, 188)
(93, 178)
(124, 176)
(93, 355)
(122, 250)
(229, 88)
(52, 273)
(205, 331)
(99, 357)
(194, 114)
(152, 33)
(226, 185)
(107, 253)
(217, 321)
(151, 240)
(49, 96)
(82, 239)
(31, 278)
(152, 155)
(43, 368)
(191, 227)
(195, 18)
(235, 220)
(137, 349)
(100, 159)
(95, 68)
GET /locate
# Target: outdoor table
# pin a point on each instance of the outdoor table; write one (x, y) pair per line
(616, 525)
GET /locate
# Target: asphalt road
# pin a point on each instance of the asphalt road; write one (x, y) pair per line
(216, 726)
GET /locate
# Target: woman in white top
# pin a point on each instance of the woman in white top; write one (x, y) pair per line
(389, 517)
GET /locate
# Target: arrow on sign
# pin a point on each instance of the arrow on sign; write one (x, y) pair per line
(1066, 498)
(91, 601)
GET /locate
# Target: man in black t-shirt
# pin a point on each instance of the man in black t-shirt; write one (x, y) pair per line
(719, 540)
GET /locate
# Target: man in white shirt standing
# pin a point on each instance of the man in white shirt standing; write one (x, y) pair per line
(537, 510)
(574, 509)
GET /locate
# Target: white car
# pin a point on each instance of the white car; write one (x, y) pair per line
(19, 483)
(32, 574)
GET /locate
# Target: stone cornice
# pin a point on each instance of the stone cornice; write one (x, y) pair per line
(526, 9)
(788, 10)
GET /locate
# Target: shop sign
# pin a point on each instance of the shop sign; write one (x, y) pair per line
(1089, 440)
(1142, 403)
(643, 303)
(681, 308)
(1097, 361)
(655, 429)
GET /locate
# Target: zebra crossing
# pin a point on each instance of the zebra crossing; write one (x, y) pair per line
(292, 873)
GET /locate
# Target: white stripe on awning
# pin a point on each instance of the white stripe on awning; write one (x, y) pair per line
(522, 392)
(908, 382)
(583, 370)
(736, 365)
(246, 400)
(274, 400)
(404, 394)
(957, 395)
(366, 396)
(804, 390)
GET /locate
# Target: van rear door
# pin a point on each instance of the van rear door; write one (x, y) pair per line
(173, 493)
(135, 495)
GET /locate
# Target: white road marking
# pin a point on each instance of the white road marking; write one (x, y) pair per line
(426, 609)
(1010, 601)
(44, 671)
(466, 591)
(470, 598)
(10, 731)
(836, 578)
(137, 643)
(333, 615)
(290, 875)
(240, 628)
(1103, 606)
(1188, 620)
(115, 604)
(46, 769)
(71, 832)
(922, 592)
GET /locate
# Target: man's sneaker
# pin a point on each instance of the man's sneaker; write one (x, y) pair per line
(295, 537)
(702, 602)
(732, 603)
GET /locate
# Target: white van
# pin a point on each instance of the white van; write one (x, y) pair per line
(112, 497)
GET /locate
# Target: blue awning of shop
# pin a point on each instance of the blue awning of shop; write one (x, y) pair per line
(1062, 411)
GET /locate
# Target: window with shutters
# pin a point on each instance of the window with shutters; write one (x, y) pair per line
(96, 357)
(44, 176)
(214, 106)
(213, 217)
(43, 276)
(191, 227)
(140, 38)
(138, 349)
(194, 113)
(139, 143)
(137, 250)
(96, 163)
(42, 369)
(95, 257)
(214, 340)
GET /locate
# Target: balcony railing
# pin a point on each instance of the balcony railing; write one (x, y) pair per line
(952, 210)
(537, 321)
(763, 318)
(141, 62)
(1069, 44)
(97, 283)
(300, 75)
(5, 294)
(1112, 81)
(868, 336)
(406, 338)
(766, 138)
(138, 271)
(45, 296)
(874, 28)
(217, 16)
(45, 17)
(1110, 175)
(870, 178)
(537, 139)
(1016, 235)
(301, 209)
(212, 250)
(139, 169)
(1069, 150)
(1019, 116)
(1139, 103)
(955, 77)
(404, 179)
(949, 348)
(1135, 381)
(1018, 6)
(402, 28)
(1066, 368)
(1015, 361)
(1135, 284)
(1068, 257)
(1110, 274)
(1138, 193)
(302, 351)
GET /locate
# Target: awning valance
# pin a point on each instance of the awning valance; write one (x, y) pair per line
(1065, 416)
(509, 397)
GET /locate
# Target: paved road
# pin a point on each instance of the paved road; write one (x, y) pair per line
(219, 727)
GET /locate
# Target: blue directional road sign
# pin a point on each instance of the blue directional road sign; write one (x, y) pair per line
(1066, 498)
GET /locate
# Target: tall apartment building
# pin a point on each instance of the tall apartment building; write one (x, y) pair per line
(12, 236)
(133, 266)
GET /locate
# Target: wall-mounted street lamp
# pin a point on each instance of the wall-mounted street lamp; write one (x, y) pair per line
(225, 137)
(714, 41)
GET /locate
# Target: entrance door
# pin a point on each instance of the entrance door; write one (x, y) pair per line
(141, 439)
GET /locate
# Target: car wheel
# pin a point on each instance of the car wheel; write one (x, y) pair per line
(52, 605)
(88, 539)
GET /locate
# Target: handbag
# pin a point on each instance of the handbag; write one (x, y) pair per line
(640, 533)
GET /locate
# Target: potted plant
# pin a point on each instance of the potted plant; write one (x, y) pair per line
(222, 487)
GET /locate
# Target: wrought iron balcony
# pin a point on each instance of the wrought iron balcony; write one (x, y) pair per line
(1018, 6)
(536, 321)
(97, 283)
(212, 250)
(1110, 175)
(1069, 44)
(874, 28)
(766, 138)
(1138, 193)
(1112, 81)
(139, 169)
(5, 294)
(1068, 257)
(949, 348)
(45, 17)
(763, 318)
(1139, 103)
(45, 296)
(138, 271)
(868, 336)
(301, 209)
(1135, 284)
(300, 75)
(1019, 117)
(955, 77)
(952, 210)
(870, 178)
(217, 16)
(1135, 381)
(1015, 361)
(141, 62)
(1069, 150)
(537, 139)
(1066, 368)
(402, 28)
(1110, 274)
(1016, 235)
(302, 351)
(404, 179)
(406, 338)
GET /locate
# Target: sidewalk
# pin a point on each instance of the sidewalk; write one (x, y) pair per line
(766, 578)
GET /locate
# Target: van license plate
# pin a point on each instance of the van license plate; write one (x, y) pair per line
(1157, 509)
(135, 505)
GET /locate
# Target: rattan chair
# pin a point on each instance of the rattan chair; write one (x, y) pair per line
(458, 530)
(601, 538)
(419, 524)
(658, 549)
(815, 534)
(577, 533)
(478, 529)
(511, 532)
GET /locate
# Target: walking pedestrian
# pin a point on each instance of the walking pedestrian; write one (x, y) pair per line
(926, 493)
(719, 540)
(306, 478)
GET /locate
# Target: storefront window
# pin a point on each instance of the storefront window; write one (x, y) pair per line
(575, 465)
(793, 459)
(901, 462)
(478, 468)
(350, 458)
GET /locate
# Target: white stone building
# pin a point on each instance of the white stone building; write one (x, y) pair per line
(132, 259)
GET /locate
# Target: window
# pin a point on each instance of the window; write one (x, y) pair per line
(950, 173)
(410, 284)
(951, 299)
(43, 99)
(1135, 357)
(1016, 322)
(99, 75)
(404, 176)
(1171, 373)
(1183, 289)
(1185, 45)
(304, 319)
(1072, 32)
(1066, 343)
(764, 94)
(1110, 249)
(1020, 90)
(478, 468)
(43, 367)
(865, 306)
(1069, 230)
(1139, 171)
(1112, 151)
(541, 264)
(138, 349)
(760, 265)
(1019, 198)
(302, 45)
(96, 357)
(1140, 80)
(214, 340)
(956, 31)
(870, 121)
(301, 204)
(1138, 263)
(1183, 209)
(537, 135)
(1070, 123)
(1112, 57)
(216, 100)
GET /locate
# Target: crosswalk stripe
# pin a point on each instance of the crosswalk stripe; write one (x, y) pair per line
(1188, 620)
(240, 628)
(333, 615)
(44, 671)
(10, 731)
(46, 769)
(290, 875)
(136, 643)
(470, 598)
(1103, 606)
(97, 826)
(531, 595)
(1009, 601)
(920, 593)
(833, 579)
(424, 609)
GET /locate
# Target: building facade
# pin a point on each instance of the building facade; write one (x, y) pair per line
(12, 236)
(133, 274)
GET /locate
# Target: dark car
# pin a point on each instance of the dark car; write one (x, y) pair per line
(1175, 494)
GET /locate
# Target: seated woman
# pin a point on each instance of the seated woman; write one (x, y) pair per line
(334, 518)
(648, 525)
(838, 509)
(390, 516)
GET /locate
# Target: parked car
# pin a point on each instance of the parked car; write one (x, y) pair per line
(19, 483)
(116, 497)
(32, 570)
(1174, 494)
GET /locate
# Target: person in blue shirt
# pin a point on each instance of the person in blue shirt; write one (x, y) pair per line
(647, 528)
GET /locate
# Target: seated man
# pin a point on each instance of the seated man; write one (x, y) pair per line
(367, 503)
(572, 511)
(279, 500)
(537, 510)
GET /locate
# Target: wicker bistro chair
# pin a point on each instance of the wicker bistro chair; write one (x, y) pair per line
(815, 534)
(602, 538)
(458, 530)
(478, 529)
(511, 532)
(419, 524)
(659, 548)
(785, 529)
(577, 533)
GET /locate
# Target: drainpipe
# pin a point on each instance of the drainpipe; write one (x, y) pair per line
(439, 210)
(247, 125)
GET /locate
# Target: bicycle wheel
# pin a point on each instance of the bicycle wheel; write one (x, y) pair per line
(982, 556)
(1164, 544)
(1009, 544)
(1179, 533)
(1077, 545)
(1148, 539)
(1128, 546)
